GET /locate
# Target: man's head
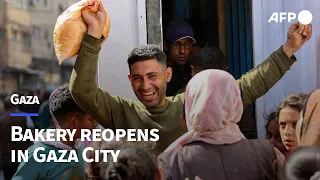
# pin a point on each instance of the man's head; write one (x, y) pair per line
(288, 114)
(149, 75)
(210, 58)
(67, 113)
(180, 39)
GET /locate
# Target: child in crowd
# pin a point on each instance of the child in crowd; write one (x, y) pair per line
(287, 115)
(67, 115)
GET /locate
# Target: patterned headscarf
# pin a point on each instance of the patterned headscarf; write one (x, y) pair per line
(213, 106)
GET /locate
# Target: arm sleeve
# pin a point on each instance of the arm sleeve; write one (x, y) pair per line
(98, 103)
(259, 80)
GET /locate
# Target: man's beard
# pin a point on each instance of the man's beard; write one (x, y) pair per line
(156, 102)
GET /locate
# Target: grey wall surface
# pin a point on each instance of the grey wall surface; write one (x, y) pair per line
(304, 75)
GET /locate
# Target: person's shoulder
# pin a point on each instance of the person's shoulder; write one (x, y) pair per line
(167, 160)
(182, 90)
(176, 98)
(170, 156)
(263, 143)
(263, 147)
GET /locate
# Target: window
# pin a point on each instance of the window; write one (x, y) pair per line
(49, 44)
(18, 3)
(25, 41)
(2, 35)
(34, 3)
(14, 36)
(21, 3)
(36, 32)
(46, 35)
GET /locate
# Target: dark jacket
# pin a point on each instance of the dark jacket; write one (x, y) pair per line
(180, 78)
(243, 160)
(6, 144)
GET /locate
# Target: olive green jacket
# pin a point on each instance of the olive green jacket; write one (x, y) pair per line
(120, 112)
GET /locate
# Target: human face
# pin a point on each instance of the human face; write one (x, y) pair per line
(273, 134)
(288, 119)
(149, 82)
(181, 50)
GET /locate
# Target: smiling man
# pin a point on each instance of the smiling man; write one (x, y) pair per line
(148, 81)
(149, 76)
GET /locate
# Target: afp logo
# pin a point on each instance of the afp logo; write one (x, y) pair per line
(304, 17)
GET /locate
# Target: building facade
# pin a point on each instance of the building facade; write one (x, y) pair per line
(44, 14)
(15, 37)
(27, 57)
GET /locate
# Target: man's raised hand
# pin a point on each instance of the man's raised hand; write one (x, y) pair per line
(95, 21)
(297, 35)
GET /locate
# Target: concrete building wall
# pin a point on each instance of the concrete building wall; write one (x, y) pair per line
(19, 36)
(8, 83)
(3, 34)
(18, 14)
(43, 19)
(123, 38)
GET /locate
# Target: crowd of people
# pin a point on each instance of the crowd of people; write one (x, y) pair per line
(198, 108)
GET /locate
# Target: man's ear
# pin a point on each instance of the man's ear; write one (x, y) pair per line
(129, 76)
(72, 123)
(168, 74)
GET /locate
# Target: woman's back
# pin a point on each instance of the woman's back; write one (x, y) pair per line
(246, 159)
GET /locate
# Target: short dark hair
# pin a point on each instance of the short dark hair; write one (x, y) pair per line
(292, 101)
(303, 164)
(210, 58)
(147, 52)
(61, 103)
(270, 117)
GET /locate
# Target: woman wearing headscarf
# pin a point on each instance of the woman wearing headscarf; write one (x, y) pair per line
(214, 147)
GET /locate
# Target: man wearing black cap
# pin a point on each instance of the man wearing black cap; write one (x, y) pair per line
(179, 39)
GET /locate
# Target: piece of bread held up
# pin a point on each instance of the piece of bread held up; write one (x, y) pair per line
(70, 29)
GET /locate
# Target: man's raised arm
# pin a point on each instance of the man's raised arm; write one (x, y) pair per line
(259, 80)
(98, 103)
